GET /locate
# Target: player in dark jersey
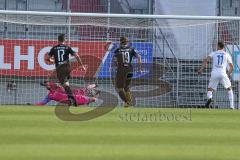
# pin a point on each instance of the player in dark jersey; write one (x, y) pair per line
(59, 54)
(122, 59)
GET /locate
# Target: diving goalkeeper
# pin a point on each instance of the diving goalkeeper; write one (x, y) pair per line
(83, 96)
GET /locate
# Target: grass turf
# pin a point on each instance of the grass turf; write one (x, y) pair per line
(29, 132)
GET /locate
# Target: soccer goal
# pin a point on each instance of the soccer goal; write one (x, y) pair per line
(171, 48)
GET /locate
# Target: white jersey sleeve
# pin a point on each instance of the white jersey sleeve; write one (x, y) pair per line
(211, 54)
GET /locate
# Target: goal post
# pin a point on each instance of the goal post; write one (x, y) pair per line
(171, 46)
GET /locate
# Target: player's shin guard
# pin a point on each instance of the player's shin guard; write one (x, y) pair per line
(231, 98)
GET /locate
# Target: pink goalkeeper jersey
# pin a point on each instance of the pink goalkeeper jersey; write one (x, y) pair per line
(57, 93)
(60, 89)
(63, 98)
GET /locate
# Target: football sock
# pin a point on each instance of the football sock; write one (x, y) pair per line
(70, 95)
(129, 97)
(209, 95)
(231, 98)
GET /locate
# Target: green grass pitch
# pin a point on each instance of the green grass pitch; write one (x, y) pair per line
(30, 132)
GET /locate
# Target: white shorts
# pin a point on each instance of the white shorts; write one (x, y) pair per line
(216, 78)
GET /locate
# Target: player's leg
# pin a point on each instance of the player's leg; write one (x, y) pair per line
(120, 84)
(122, 94)
(91, 86)
(231, 97)
(91, 91)
(63, 74)
(227, 84)
(209, 97)
(213, 83)
(68, 90)
(127, 89)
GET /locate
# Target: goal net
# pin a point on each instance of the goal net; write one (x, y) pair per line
(171, 49)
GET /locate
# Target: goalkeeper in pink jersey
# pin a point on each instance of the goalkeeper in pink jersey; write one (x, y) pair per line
(83, 96)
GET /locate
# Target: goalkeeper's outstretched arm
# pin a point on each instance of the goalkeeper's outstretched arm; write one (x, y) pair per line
(44, 101)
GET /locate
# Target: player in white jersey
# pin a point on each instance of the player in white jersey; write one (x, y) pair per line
(220, 61)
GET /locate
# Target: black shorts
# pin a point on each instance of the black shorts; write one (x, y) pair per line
(63, 73)
(123, 77)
